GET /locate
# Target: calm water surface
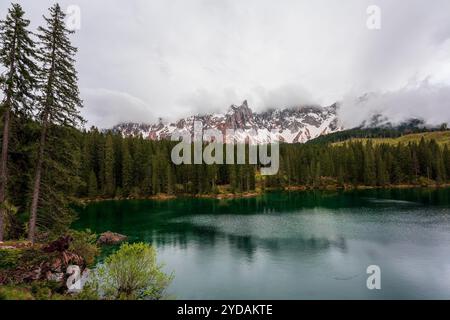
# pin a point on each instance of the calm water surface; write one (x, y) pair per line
(300, 245)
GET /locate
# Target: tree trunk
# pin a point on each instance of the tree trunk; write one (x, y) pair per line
(3, 170)
(37, 184)
(37, 178)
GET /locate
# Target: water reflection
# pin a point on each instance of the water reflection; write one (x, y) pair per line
(293, 245)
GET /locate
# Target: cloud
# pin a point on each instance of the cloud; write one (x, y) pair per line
(181, 57)
(259, 98)
(422, 101)
(289, 95)
(106, 108)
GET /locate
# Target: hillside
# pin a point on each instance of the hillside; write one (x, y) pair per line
(441, 137)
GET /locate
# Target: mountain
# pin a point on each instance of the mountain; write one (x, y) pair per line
(291, 125)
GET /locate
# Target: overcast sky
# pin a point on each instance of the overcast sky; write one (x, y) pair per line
(140, 59)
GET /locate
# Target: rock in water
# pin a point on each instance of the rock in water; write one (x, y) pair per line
(109, 237)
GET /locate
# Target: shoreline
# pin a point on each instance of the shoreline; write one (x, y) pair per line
(229, 196)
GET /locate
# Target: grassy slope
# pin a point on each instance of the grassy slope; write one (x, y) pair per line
(442, 137)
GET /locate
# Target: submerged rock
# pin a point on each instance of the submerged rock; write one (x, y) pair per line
(109, 237)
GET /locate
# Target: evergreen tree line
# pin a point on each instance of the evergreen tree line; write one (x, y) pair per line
(409, 127)
(363, 164)
(114, 166)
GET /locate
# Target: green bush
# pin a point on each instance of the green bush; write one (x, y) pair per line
(425, 182)
(89, 292)
(45, 290)
(15, 293)
(9, 258)
(41, 292)
(85, 245)
(37, 290)
(33, 256)
(132, 273)
(10, 212)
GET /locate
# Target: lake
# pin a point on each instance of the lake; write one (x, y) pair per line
(293, 245)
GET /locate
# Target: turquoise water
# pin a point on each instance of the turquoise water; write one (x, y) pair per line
(298, 245)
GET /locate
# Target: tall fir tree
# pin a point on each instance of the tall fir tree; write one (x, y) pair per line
(59, 101)
(170, 189)
(127, 170)
(446, 158)
(109, 177)
(92, 187)
(382, 175)
(369, 165)
(17, 56)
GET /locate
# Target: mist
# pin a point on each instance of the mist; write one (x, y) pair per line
(140, 60)
(425, 101)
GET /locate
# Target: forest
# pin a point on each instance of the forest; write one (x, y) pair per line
(113, 166)
(49, 161)
(116, 166)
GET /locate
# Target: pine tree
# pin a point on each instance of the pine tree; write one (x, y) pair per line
(340, 177)
(59, 101)
(317, 173)
(369, 165)
(109, 178)
(86, 163)
(382, 176)
(252, 180)
(127, 170)
(233, 178)
(156, 171)
(415, 165)
(170, 180)
(440, 167)
(92, 185)
(446, 159)
(17, 84)
(59, 181)
(146, 187)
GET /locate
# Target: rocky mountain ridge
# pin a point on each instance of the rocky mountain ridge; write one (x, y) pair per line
(290, 125)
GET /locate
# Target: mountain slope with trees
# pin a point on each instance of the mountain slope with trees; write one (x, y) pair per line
(441, 137)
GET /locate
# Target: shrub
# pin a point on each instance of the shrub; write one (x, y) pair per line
(9, 258)
(89, 292)
(40, 291)
(132, 273)
(85, 245)
(10, 212)
(15, 293)
(46, 289)
(425, 182)
(37, 290)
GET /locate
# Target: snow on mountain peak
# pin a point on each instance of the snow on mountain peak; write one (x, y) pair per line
(290, 125)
